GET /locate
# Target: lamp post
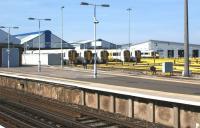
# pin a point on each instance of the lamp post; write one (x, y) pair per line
(39, 21)
(95, 23)
(129, 27)
(186, 39)
(62, 37)
(8, 50)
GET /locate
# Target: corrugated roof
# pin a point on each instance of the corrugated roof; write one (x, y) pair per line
(30, 33)
(171, 42)
(29, 37)
(165, 42)
(88, 41)
(4, 38)
(25, 37)
(82, 42)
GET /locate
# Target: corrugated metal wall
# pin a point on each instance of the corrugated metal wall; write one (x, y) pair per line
(14, 57)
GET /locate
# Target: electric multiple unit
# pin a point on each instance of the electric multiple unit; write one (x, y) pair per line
(103, 55)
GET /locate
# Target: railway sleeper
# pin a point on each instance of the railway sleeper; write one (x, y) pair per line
(67, 122)
(24, 118)
(25, 98)
(11, 122)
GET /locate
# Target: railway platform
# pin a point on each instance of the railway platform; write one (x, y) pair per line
(133, 95)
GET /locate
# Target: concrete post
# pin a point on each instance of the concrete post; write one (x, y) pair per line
(82, 97)
(112, 100)
(176, 117)
(114, 104)
(97, 100)
(130, 107)
(151, 112)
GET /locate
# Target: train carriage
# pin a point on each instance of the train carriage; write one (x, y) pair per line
(119, 55)
(103, 56)
(149, 54)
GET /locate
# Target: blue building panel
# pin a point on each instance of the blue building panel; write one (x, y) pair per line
(47, 39)
(47, 36)
(14, 57)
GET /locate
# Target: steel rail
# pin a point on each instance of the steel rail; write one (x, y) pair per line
(11, 122)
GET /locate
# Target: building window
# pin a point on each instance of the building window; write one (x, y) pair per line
(180, 53)
(195, 53)
(170, 53)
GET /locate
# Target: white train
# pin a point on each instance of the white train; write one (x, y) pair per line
(77, 56)
(119, 54)
(103, 55)
(88, 54)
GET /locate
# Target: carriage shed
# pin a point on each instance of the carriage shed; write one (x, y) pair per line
(48, 40)
(89, 44)
(15, 50)
(166, 49)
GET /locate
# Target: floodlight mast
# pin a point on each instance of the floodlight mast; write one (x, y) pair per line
(61, 45)
(39, 41)
(129, 27)
(95, 24)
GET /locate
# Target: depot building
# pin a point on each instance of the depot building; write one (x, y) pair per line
(16, 50)
(48, 40)
(166, 49)
(89, 44)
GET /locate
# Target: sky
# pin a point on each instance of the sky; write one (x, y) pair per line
(150, 19)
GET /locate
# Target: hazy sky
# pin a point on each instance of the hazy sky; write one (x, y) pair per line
(151, 19)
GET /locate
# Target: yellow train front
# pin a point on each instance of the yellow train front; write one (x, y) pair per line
(72, 56)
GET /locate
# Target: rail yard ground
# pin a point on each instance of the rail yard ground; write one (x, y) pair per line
(145, 64)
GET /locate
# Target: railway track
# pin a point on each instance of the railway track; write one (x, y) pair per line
(11, 122)
(53, 114)
(36, 118)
